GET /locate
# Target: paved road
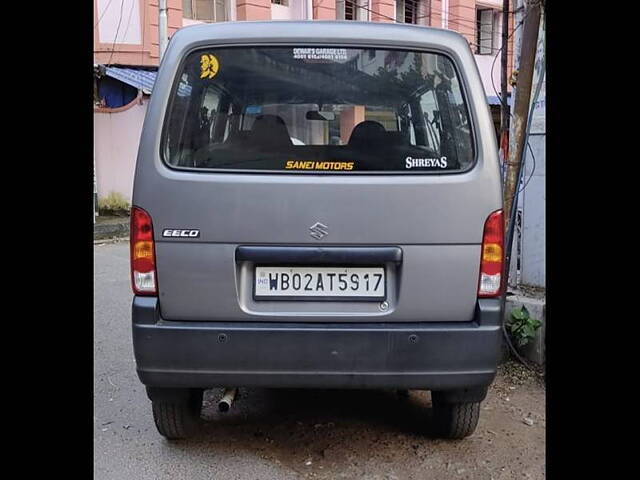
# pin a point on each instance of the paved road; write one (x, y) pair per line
(290, 434)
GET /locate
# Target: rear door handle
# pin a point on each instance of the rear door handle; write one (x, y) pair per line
(319, 255)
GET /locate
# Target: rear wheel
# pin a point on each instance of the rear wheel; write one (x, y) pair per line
(455, 420)
(177, 418)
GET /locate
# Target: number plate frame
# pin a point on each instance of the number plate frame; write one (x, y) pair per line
(320, 298)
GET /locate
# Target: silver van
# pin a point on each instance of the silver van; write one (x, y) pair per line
(317, 205)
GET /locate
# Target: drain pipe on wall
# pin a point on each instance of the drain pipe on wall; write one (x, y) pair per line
(445, 13)
(309, 10)
(95, 188)
(162, 26)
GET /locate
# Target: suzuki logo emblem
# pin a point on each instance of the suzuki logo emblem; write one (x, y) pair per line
(318, 230)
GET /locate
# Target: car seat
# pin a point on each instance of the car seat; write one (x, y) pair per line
(269, 131)
(368, 134)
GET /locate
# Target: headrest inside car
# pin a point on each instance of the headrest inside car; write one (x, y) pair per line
(270, 131)
(367, 133)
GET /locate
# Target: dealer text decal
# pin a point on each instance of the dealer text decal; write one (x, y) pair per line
(298, 165)
(411, 162)
(332, 54)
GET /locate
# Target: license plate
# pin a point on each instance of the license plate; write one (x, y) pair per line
(322, 283)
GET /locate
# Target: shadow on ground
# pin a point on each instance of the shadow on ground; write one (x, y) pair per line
(385, 410)
(364, 434)
(329, 429)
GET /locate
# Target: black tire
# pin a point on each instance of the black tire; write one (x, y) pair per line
(178, 419)
(455, 420)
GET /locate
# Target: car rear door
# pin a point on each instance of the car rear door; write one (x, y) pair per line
(423, 230)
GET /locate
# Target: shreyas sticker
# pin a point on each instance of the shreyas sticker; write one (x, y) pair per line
(411, 162)
(299, 165)
(208, 66)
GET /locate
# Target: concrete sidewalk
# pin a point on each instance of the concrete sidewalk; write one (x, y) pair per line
(107, 227)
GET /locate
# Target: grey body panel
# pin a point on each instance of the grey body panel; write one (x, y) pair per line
(216, 282)
(436, 219)
(433, 356)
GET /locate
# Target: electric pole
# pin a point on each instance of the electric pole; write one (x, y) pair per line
(504, 107)
(521, 106)
(162, 26)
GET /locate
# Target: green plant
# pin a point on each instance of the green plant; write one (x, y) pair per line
(522, 327)
(114, 202)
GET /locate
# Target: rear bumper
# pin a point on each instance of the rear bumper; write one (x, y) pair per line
(433, 356)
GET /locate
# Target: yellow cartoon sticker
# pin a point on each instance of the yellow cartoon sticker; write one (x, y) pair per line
(208, 66)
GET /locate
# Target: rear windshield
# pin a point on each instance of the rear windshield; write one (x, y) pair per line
(331, 110)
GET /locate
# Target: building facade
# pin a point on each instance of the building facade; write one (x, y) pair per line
(126, 32)
(127, 54)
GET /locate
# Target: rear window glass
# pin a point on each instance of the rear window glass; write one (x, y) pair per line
(333, 110)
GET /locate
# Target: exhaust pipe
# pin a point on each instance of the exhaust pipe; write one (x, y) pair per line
(227, 399)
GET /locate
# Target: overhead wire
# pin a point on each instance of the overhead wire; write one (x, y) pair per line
(115, 38)
(473, 24)
(102, 15)
(533, 106)
(460, 17)
(504, 103)
(498, 50)
(355, 4)
(126, 29)
(476, 27)
(457, 19)
(144, 24)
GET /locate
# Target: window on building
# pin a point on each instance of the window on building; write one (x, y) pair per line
(488, 30)
(406, 11)
(205, 10)
(284, 3)
(410, 12)
(187, 8)
(352, 10)
(349, 11)
(416, 12)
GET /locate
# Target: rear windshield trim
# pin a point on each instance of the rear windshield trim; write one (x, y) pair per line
(433, 50)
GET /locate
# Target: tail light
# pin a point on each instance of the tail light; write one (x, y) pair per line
(143, 256)
(492, 258)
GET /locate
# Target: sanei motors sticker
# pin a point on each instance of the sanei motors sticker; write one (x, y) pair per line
(208, 66)
(299, 165)
(411, 162)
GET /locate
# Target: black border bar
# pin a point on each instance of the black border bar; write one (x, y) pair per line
(310, 256)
